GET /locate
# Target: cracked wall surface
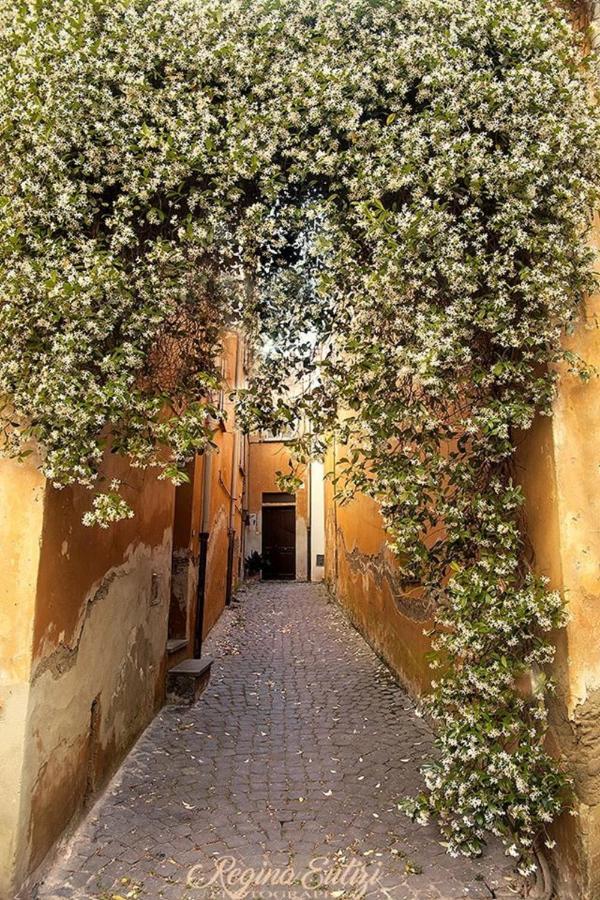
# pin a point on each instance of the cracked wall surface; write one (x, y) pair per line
(86, 611)
(362, 573)
(84, 621)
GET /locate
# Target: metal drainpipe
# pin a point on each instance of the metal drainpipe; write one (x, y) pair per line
(232, 486)
(335, 517)
(203, 553)
(245, 500)
(309, 525)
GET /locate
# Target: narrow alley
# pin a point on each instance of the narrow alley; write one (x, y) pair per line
(292, 765)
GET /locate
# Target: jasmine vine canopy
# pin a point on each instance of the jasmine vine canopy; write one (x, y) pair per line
(391, 198)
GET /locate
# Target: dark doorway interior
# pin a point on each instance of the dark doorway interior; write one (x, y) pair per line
(183, 557)
(279, 542)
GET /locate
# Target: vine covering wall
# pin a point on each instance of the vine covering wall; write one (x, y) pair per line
(391, 197)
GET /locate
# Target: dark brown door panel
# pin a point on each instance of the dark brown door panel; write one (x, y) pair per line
(279, 541)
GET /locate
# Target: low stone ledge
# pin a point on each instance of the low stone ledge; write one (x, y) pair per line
(187, 680)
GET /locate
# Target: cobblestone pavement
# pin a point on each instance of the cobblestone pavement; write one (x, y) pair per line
(298, 751)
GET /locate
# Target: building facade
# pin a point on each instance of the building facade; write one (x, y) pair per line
(286, 530)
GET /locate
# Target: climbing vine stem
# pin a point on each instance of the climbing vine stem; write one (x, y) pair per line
(406, 185)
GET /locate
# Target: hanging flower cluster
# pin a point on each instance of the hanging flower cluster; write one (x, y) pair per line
(391, 198)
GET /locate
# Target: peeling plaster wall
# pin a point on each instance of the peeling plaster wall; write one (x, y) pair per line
(94, 660)
(83, 629)
(361, 574)
(559, 465)
(87, 707)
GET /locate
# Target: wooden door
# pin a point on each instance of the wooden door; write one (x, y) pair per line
(279, 542)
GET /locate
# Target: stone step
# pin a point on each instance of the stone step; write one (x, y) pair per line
(176, 644)
(187, 680)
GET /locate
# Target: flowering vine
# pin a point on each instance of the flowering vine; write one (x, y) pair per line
(391, 198)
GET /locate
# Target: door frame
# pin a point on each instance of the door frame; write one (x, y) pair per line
(287, 506)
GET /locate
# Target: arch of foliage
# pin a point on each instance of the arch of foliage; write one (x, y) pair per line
(391, 197)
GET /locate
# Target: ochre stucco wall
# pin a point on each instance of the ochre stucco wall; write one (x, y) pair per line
(92, 607)
(559, 467)
(361, 573)
(21, 518)
(266, 458)
(223, 463)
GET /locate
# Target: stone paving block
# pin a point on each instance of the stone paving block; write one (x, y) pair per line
(296, 751)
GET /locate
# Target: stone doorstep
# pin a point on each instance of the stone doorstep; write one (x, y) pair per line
(187, 680)
(176, 644)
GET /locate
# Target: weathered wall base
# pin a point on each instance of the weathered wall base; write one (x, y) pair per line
(361, 573)
(88, 611)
